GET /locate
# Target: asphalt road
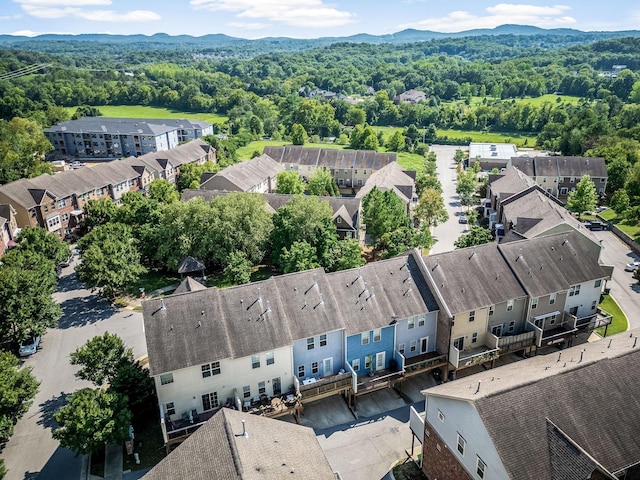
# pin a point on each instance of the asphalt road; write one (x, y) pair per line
(32, 452)
(448, 232)
(624, 289)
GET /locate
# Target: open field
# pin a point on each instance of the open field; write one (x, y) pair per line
(632, 229)
(476, 136)
(535, 101)
(141, 111)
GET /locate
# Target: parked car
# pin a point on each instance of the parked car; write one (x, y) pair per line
(67, 262)
(462, 218)
(29, 346)
(596, 225)
(631, 267)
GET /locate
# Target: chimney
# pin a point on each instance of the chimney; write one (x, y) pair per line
(162, 307)
(245, 434)
(478, 389)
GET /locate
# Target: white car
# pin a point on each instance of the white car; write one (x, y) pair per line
(631, 267)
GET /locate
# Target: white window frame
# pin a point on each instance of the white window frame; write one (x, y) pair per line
(534, 303)
(413, 346)
(411, 323)
(598, 283)
(509, 305)
(481, 467)
(311, 343)
(246, 391)
(255, 361)
(355, 364)
(401, 348)
(552, 299)
(472, 316)
(271, 359)
(421, 322)
(262, 387)
(364, 338)
(491, 309)
(461, 445)
(440, 416)
(315, 368)
(323, 340)
(474, 337)
(166, 378)
(377, 334)
(170, 408)
(300, 371)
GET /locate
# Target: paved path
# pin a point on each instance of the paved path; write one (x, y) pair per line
(32, 452)
(448, 232)
(113, 462)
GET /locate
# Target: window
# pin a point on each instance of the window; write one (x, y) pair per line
(474, 337)
(377, 335)
(359, 182)
(597, 284)
(301, 371)
(367, 362)
(539, 322)
(401, 348)
(166, 378)
(338, 220)
(270, 358)
(413, 345)
(314, 368)
(440, 416)
(277, 389)
(65, 217)
(481, 467)
(246, 391)
(364, 338)
(461, 444)
(255, 361)
(99, 192)
(323, 340)
(170, 408)
(552, 319)
(512, 326)
(509, 305)
(262, 388)
(209, 400)
(311, 343)
(472, 315)
(206, 370)
(594, 304)
(572, 179)
(421, 322)
(355, 364)
(564, 190)
(552, 299)
(575, 290)
(534, 303)
(61, 203)
(491, 309)
(411, 323)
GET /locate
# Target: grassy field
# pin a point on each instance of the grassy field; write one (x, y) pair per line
(619, 322)
(535, 101)
(140, 111)
(476, 136)
(631, 229)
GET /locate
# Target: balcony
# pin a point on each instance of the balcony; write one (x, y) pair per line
(423, 363)
(510, 343)
(600, 318)
(325, 387)
(557, 334)
(474, 356)
(381, 379)
(177, 431)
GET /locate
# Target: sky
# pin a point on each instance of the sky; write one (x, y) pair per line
(305, 18)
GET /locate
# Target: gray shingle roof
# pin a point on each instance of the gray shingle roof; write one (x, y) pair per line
(596, 403)
(512, 182)
(244, 175)
(218, 450)
(393, 177)
(189, 285)
(472, 278)
(212, 324)
(569, 167)
(124, 126)
(554, 263)
(330, 158)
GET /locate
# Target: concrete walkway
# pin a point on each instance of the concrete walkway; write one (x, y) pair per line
(113, 462)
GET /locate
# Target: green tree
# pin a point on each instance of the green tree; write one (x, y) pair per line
(289, 182)
(383, 212)
(92, 419)
(110, 259)
(300, 256)
(100, 358)
(430, 209)
(476, 236)
(22, 149)
(298, 134)
(405, 238)
(27, 283)
(620, 201)
(132, 381)
(321, 183)
(40, 241)
(347, 254)
(396, 142)
(86, 111)
(190, 174)
(163, 191)
(466, 187)
(304, 219)
(18, 387)
(238, 269)
(584, 198)
(99, 212)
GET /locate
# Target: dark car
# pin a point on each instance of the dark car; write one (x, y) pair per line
(596, 225)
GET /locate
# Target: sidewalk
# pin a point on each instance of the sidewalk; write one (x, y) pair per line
(113, 462)
(137, 302)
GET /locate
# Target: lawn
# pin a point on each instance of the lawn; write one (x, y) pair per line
(475, 135)
(630, 228)
(408, 470)
(141, 111)
(153, 280)
(535, 101)
(619, 322)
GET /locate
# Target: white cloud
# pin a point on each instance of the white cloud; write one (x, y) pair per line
(91, 15)
(63, 3)
(299, 13)
(551, 16)
(248, 25)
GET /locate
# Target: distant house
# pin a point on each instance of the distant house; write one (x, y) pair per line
(559, 175)
(350, 168)
(570, 414)
(102, 138)
(410, 96)
(8, 227)
(393, 177)
(257, 175)
(235, 446)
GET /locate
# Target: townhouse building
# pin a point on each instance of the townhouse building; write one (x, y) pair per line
(102, 138)
(350, 168)
(558, 175)
(393, 177)
(257, 175)
(8, 227)
(541, 418)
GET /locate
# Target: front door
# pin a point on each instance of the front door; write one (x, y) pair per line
(574, 311)
(459, 343)
(424, 345)
(380, 361)
(327, 367)
(277, 390)
(497, 330)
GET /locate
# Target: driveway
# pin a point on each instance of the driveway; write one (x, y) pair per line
(32, 452)
(624, 289)
(448, 232)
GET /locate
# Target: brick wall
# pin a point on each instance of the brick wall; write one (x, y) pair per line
(438, 462)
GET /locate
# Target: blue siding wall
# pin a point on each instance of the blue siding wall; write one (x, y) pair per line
(404, 334)
(355, 349)
(302, 356)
